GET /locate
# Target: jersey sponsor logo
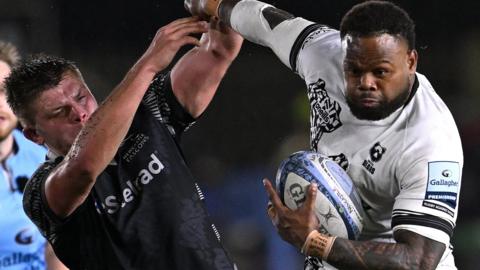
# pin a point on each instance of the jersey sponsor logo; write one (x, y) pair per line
(325, 112)
(112, 203)
(376, 154)
(438, 207)
(138, 142)
(446, 173)
(443, 182)
(30, 261)
(24, 237)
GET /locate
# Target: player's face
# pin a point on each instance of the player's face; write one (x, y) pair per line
(8, 120)
(60, 113)
(379, 72)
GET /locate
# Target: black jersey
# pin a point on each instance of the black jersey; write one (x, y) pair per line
(145, 210)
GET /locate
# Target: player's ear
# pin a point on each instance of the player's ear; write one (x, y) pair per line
(412, 59)
(32, 134)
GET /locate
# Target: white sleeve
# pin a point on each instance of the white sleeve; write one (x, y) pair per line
(247, 18)
(429, 190)
(320, 55)
(312, 50)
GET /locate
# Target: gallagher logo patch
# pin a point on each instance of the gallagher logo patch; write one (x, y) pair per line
(443, 182)
(24, 237)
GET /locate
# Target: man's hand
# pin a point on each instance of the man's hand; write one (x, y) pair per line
(169, 39)
(292, 225)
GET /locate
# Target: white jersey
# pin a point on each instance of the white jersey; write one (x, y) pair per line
(406, 167)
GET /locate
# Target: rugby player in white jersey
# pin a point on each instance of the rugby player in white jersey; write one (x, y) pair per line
(379, 119)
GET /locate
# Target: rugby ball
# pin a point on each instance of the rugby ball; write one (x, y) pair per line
(338, 206)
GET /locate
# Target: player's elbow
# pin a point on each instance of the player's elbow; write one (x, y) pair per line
(223, 53)
(413, 260)
(420, 252)
(81, 172)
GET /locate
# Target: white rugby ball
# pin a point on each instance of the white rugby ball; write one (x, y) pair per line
(338, 206)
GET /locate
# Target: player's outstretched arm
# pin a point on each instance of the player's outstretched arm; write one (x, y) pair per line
(197, 75)
(256, 21)
(69, 185)
(412, 251)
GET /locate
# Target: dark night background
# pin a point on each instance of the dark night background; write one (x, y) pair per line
(260, 113)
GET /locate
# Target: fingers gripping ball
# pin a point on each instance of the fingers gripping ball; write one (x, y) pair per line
(337, 207)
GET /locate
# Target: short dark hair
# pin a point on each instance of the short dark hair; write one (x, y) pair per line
(31, 77)
(376, 18)
(9, 53)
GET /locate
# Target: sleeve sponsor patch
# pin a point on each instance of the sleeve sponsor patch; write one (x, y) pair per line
(443, 182)
(439, 208)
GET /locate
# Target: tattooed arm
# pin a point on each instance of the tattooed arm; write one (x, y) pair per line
(412, 250)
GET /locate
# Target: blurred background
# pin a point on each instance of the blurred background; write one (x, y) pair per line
(260, 114)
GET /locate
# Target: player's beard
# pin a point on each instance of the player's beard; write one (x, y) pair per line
(379, 112)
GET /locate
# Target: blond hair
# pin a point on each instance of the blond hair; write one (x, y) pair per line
(9, 53)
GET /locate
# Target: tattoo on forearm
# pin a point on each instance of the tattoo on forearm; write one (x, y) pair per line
(420, 253)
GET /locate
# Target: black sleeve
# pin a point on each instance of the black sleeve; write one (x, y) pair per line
(421, 219)
(34, 200)
(164, 105)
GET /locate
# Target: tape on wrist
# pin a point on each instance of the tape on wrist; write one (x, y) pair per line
(318, 245)
(212, 6)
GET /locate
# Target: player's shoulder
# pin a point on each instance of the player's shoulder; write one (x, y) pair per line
(430, 124)
(427, 111)
(34, 184)
(426, 97)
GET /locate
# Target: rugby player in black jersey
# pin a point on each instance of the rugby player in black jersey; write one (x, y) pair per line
(115, 192)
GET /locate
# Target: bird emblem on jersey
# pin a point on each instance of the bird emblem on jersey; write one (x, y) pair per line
(376, 152)
(325, 112)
